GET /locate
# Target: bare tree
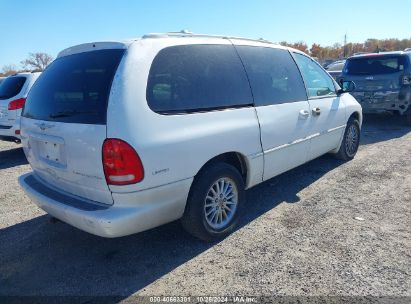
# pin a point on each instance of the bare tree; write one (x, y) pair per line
(37, 61)
(9, 69)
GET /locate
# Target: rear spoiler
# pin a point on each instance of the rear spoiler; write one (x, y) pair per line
(93, 46)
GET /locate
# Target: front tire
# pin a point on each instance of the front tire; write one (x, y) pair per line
(351, 140)
(214, 202)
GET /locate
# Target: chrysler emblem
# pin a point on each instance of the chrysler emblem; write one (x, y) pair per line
(44, 126)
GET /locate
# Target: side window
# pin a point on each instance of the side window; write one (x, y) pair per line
(318, 82)
(273, 75)
(11, 86)
(190, 78)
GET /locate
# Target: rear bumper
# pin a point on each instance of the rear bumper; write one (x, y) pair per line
(8, 132)
(383, 101)
(131, 212)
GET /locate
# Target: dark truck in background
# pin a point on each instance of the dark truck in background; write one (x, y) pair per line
(383, 81)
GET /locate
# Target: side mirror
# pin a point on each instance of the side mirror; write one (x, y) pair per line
(346, 86)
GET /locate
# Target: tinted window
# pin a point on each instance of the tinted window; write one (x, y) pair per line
(74, 88)
(273, 75)
(317, 81)
(11, 86)
(192, 78)
(375, 65)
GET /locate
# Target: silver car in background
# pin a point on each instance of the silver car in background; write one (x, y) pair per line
(335, 68)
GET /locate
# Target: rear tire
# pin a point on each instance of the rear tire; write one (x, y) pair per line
(351, 140)
(214, 202)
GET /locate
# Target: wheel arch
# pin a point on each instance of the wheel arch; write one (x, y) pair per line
(356, 115)
(353, 114)
(236, 159)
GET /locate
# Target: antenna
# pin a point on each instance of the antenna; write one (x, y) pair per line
(345, 45)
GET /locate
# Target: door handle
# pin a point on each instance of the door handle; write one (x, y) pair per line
(316, 111)
(304, 114)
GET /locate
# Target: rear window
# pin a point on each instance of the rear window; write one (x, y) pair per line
(75, 88)
(375, 65)
(191, 78)
(11, 86)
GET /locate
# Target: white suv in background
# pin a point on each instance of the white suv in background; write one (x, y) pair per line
(13, 94)
(126, 136)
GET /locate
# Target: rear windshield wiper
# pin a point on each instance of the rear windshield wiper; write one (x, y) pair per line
(70, 113)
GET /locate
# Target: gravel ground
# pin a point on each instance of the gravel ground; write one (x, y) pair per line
(325, 228)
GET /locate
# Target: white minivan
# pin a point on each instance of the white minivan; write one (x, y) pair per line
(126, 136)
(13, 93)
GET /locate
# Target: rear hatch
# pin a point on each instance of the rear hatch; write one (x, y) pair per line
(376, 72)
(63, 123)
(10, 90)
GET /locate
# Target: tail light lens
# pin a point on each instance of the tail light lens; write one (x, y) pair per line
(121, 163)
(406, 80)
(17, 104)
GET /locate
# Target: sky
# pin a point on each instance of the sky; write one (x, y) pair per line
(52, 25)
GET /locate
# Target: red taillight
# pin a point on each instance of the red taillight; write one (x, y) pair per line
(17, 104)
(121, 163)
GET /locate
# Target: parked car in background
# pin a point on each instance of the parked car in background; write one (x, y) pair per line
(13, 94)
(126, 136)
(326, 62)
(335, 68)
(383, 81)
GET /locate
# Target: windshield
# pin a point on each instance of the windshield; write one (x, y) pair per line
(75, 88)
(375, 65)
(11, 86)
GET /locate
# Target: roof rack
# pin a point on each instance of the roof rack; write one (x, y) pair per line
(186, 33)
